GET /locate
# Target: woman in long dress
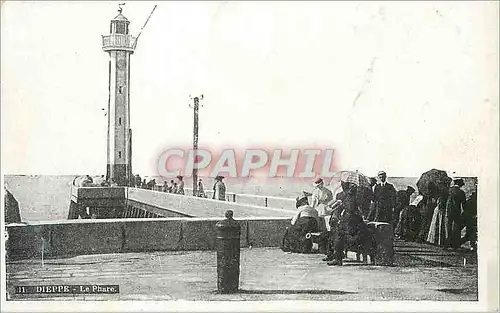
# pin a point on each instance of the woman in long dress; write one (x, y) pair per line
(427, 207)
(438, 232)
(305, 221)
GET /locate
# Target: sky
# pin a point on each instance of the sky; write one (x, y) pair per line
(403, 87)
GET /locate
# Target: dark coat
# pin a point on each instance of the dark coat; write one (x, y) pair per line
(402, 199)
(455, 203)
(385, 197)
(365, 197)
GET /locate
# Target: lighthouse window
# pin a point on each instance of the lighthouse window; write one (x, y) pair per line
(120, 121)
(120, 89)
(120, 28)
(119, 154)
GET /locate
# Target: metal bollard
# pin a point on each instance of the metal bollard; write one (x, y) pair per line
(385, 243)
(228, 254)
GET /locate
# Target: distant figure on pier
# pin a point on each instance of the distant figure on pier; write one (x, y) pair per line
(12, 214)
(180, 185)
(151, 184)
(144, 185)
(165, 187)
(138, 181)
(87, 182)
(83, 181)
(201, 189)
(173, 187)
(219, 189)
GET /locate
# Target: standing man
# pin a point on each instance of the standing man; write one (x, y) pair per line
(219, 189)
(321, 196)
(454, 209)
(385, 196)
(180, 185)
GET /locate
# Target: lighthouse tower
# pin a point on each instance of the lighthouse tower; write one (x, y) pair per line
(119, 44)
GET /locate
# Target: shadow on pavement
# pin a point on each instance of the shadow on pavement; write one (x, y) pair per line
(288, 292)
(455, 290)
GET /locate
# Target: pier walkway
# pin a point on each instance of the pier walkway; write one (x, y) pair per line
(421, 272)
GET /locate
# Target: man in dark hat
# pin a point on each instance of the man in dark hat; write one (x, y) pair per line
(219, 189)
(454, 207)
(385, 198)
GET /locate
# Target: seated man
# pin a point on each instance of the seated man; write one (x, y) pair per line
(351, 230)
(305, 221)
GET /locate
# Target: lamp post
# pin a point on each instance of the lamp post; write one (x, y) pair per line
(196, 108)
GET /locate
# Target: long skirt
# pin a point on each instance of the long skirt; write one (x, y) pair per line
(295, 240)
(438, 231)
(427, 215)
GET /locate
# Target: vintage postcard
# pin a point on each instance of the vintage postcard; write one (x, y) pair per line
(249, 156)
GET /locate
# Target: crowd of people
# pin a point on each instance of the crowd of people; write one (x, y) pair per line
(177, 187)
(174, 186)
(440, 219)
